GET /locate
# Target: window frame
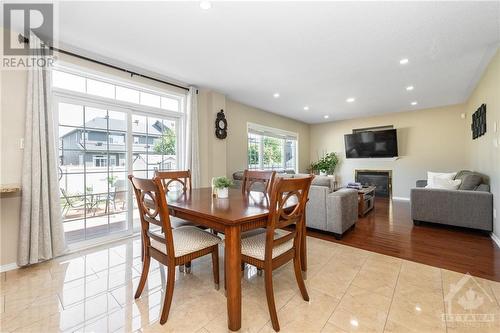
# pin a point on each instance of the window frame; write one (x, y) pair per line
(61, 95)
(261, 130)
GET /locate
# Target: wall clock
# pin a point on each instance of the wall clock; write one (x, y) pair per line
(221, 125)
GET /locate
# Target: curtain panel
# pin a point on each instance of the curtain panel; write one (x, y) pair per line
(41, 233)
(192, 156)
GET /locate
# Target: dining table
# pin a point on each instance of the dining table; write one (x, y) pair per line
(238, 213)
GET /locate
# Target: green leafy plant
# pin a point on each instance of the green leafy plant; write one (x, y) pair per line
(112, 180)
(327, 163)
(222, 182)
(166, 144)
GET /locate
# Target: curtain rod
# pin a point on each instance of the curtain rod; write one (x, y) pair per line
(25, 40)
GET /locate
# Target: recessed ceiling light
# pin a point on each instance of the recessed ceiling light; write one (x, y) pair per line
(205, 5)
(306, 107)
(403, 61)
(410, 88)
(326, 116)
(276, 95)
(350, 100)
(354, 323)
(414, 103)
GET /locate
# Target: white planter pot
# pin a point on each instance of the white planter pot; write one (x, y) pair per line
(222, 193)
(322, 173)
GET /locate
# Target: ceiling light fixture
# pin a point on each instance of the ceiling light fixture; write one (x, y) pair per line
(354, 323)
(410, 88)
(414, 103)
(403, 61)
(205, 5)
(276, 95)
(306, 108)
(326, 116)
(350, 100)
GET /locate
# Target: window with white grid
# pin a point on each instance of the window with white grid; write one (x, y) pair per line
(271, 149)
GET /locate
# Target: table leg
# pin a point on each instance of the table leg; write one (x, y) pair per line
(303, 250)
(233, 276)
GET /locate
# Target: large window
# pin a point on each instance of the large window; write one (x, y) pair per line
(108, 130)
(271, 149)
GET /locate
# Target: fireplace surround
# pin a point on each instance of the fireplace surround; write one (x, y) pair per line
(381, 179)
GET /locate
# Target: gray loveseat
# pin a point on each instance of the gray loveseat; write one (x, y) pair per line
(328, 209)
(470, 206)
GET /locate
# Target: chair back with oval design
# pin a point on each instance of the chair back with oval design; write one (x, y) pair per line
(252, 177)
(169, 178)
(287, 207)
(153, 209)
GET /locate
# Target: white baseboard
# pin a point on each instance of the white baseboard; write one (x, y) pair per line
(495, 239)
(8, 267)
(400, 199)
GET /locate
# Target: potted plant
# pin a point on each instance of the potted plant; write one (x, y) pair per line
(326, 165)
(221, 186)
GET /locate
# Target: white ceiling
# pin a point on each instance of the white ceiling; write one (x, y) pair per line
(312, 53)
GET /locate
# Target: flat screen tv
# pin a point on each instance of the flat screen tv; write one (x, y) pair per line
(371, 144)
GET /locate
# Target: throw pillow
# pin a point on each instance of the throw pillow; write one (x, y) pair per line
(442, 175)
(470, 182)
(446, 184)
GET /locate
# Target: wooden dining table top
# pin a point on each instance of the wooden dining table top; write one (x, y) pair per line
(237, 208)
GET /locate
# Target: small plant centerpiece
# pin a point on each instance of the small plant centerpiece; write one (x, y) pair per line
(326, 165)
(221, 186)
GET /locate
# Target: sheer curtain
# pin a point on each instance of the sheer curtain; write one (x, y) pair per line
(41, 234)
(192, 156)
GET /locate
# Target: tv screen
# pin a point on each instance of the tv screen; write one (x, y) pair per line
(371, 144)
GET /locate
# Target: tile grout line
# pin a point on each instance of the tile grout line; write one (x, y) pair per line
(392, 298)
(345, 292)
(444, 305)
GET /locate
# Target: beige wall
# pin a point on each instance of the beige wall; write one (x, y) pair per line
(223, 157)
(213, 155)
(13, 89)
(239, 115)
(482, 154)
(428, 140)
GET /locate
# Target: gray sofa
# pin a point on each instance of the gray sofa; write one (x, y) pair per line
(328, 209)
(470, 206)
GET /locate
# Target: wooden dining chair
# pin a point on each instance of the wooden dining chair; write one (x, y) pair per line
(180, 181)
(170, 247)
(277, 247)
(253, 177)
(171, 178)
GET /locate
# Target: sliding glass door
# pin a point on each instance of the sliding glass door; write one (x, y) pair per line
(99, 146)
(154, 147)
(92, 170)
(110, 128)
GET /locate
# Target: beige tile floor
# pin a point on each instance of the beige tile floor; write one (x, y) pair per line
(350, 290)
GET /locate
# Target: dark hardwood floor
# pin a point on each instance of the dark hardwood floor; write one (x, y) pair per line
(388, 229)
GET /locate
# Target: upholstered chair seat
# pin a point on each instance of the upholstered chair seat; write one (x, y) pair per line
(255, 246)
(187, 239)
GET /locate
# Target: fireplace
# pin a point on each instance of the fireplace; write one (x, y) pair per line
(382, 179)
